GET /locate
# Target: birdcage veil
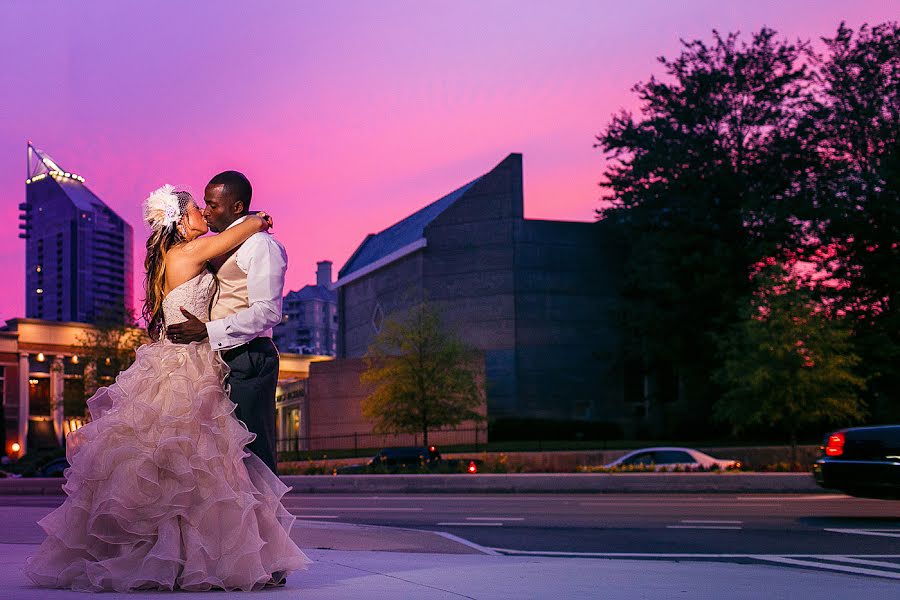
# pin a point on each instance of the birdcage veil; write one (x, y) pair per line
(165, 206)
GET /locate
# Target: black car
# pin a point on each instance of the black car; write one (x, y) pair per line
(861, 461)
(409, 458)
(54, 468)
(406, 456)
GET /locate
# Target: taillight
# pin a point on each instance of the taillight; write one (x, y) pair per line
(473, 468)
(835, 444)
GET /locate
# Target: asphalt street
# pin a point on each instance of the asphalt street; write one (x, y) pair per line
(610, 524)
(832, 535)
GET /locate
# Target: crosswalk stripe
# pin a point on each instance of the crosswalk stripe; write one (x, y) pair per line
(826, 566)
(875, 532)
(862, 561)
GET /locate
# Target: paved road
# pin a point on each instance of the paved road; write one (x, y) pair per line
(832, 532)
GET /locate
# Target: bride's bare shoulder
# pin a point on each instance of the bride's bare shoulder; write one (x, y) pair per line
(180, 267)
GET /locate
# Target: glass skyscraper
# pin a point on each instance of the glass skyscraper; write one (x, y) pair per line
(78, 252)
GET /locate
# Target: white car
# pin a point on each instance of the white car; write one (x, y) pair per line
(671, 459)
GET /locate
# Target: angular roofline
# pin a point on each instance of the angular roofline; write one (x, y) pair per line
(47, 171)
(355, 253)
(406, 235)
(381, 262)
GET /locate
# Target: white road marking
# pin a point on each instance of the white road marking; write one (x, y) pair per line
(470, 524)
(827, 566)
(465, 542)
(495, 519)
(876, 532)
(798, 497)
(676, 555)
(362, 509)
(732, 527)
(862, 561)
(711, 521)
(686, 504)
(414, 497)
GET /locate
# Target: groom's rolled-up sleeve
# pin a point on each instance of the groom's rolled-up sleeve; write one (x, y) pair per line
(265, 262)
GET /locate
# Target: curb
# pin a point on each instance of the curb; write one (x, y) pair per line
(513, 483)
(552, 483)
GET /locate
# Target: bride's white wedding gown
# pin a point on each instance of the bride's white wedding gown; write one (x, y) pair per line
(161, 492)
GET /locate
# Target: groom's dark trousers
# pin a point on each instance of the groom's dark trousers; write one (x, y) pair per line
(253, 377)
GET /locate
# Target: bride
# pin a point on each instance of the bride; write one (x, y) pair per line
(161, 493)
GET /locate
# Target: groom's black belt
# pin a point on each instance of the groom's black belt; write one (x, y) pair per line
(260, 344)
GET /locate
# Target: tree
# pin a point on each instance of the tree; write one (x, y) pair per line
(106, 349)
(856, 207)
(789, 363)
(423, 376)
(700, 187)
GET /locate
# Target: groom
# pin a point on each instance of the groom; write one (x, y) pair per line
(246, 308)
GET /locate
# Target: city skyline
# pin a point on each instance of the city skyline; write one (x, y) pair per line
(348, 117)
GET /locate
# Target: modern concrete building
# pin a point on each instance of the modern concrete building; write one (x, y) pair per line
(535, 296)
(309, 320)
(78, 252)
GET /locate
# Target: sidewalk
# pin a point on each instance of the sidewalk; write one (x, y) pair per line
(345, 575)
(375, 563)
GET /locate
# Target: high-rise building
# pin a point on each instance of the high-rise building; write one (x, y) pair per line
(309, 317)
(78, 262)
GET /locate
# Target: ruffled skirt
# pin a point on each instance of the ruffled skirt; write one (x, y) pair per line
(161, 493)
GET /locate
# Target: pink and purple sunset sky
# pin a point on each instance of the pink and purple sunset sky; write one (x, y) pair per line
(346, 116)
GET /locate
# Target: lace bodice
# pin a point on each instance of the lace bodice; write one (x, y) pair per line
(194, 295)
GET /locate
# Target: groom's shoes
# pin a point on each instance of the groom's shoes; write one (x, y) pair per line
(279, 578)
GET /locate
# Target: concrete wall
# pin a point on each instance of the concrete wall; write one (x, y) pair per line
(392, 288)
(566, 338)
(533, 296)
(469, 274)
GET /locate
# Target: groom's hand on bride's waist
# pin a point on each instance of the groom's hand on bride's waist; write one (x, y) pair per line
(192, 330)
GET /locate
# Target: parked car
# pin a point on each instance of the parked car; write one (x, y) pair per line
(861, 461)
(410, 458)
(671, 459)
(54, 468)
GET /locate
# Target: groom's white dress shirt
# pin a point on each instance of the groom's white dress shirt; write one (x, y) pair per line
(264, 261)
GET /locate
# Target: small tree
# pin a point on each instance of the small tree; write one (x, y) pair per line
(788, 363)
(423, 376)
(108, 348)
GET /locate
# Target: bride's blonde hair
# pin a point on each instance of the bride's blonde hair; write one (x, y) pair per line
(164, 234)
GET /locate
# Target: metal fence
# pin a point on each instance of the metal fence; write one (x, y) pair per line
(361, 443)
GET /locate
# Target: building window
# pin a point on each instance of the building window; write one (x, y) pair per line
(295, 422)
(377, 318)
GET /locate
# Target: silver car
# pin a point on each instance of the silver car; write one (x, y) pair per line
(671, 459)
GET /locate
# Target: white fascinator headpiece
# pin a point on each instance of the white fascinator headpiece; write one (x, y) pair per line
(164, 207)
